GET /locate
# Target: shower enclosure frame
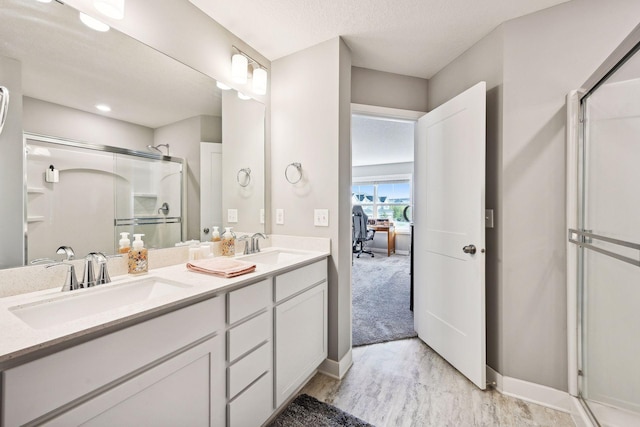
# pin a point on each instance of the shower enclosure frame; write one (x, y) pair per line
(105, 149)
(575, 137)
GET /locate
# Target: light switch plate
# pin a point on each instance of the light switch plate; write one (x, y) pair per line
(280, 216)
(321, 217)
(261, 216)
(232, 215)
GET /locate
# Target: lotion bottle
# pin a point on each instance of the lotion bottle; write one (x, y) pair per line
(217, 242)
(125, 243)
(228, 242)
(138, 256)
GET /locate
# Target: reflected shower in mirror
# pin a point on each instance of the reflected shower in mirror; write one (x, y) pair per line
(70, 71)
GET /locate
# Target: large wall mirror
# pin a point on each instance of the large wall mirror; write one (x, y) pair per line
(68, 69)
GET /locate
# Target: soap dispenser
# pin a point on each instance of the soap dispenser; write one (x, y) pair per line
(228, 242)
(138, 256)
(217, 242)
(125, 243)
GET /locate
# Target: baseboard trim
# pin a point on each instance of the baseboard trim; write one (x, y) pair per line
(335, 369)
(531, 392)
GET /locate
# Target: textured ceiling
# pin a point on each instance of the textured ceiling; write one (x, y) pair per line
(411, 37)
(376, 141)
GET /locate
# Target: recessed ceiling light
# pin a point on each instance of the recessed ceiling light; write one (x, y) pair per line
(222, 86)
(93, 23)
(243, 96)
(103, 107)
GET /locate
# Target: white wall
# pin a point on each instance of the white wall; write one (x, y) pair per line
(382, 89)
(544, 56)
(310, 124)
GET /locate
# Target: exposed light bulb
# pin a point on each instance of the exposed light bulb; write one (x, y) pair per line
(260, 81)
(222, 86)
(111, 8)
(239, 65)
(243, 96)
(103, 107)
(93, 23)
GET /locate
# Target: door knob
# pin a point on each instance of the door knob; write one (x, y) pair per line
(469, 249)
(206, 230)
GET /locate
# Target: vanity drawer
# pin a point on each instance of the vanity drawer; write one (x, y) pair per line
(290, 283)
(248, 300)
(254, 406)
(38, 387)
(248, 369)
(248, 335)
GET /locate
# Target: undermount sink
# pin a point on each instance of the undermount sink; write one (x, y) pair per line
(88, 302)
(272, 257)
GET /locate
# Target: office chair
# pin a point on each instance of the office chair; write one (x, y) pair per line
(361, 234)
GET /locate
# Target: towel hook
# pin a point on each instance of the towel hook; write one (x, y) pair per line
(247, 177)
(298, 167)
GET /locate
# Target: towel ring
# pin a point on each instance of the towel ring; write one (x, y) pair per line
(247, 176)
(298, 167)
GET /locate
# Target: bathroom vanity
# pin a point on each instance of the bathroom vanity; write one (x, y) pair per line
(185, 349)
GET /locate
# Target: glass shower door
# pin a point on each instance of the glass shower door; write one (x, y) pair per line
(609, 239)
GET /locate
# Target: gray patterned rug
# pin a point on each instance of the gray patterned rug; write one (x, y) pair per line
(380, 288)
(306, 411)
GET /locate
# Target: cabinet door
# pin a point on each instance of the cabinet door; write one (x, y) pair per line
(187, 389)
(300, 339)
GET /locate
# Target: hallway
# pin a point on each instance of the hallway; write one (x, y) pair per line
(405, 383)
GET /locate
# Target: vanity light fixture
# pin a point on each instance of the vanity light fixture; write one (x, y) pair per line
(243, 96)
(222, 86)
(240, 63)
(93, 23)
(260, 81)
(103, 107)
(112, 8)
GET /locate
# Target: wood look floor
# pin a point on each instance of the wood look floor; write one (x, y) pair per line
(405, 383)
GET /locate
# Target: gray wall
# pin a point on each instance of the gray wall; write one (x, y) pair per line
(371, 87)
(544, 56)
(11, 172)
(184, 138)
(56, 120)
(310, 124)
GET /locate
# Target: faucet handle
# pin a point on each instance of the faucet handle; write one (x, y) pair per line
(67, 251)
(103, 273)
(70, 282)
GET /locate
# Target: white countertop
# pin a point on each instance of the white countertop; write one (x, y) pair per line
(18, 340)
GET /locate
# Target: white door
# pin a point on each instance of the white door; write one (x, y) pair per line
(210, 188)
(449, 230)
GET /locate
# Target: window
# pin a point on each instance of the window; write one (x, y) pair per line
(383, 199)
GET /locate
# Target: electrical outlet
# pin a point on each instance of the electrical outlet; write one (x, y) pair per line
(321, 217)
(261, 216)
(232, 215)
(280, 216)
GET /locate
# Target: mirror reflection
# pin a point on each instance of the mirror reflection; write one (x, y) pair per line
(148, 102)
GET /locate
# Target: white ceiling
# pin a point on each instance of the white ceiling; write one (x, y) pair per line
(411, 37)
(376, 141)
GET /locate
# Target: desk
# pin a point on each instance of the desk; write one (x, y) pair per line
(391, 236)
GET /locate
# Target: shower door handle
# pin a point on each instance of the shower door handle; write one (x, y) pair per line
(4, 106)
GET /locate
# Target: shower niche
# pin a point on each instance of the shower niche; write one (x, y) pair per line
(84, 196)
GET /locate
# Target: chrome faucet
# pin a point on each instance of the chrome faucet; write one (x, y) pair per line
(89, 274)
(245, 238)
(255, 245)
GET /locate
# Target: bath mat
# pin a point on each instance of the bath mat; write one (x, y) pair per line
(307, 411)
